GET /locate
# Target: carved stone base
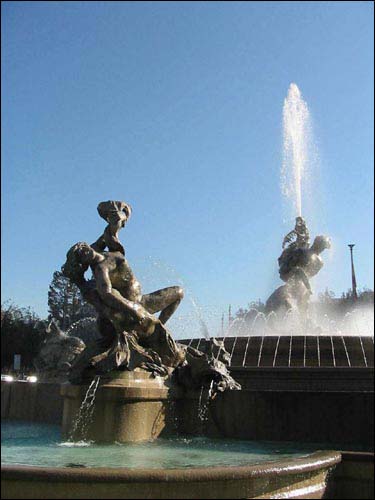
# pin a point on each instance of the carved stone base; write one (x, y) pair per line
(129, 407)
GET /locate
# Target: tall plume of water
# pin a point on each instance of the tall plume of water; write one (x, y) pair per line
(297, 138)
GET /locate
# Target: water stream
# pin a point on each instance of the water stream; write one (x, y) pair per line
(346, 351)
(297, 137)
(85, 413)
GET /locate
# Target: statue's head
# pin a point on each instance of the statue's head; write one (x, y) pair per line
(78, 259)
(127, 211)
(115, 211)
(321, 243)
(300, 222)
(85, 253)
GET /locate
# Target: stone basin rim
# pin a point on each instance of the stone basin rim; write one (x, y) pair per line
(309, 463)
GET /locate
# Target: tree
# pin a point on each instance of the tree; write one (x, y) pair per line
(327, 297)
(65, 302)
(258, 305)
(346, 302)
(249, 312)
(22, 332)
(366, 296)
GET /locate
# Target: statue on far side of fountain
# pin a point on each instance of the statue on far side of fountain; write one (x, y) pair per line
(297, 264)
(295, 255)
(300, 233)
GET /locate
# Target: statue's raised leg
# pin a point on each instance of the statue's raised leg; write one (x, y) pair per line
(166, 300)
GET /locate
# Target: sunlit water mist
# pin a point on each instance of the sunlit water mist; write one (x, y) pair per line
(297, 143)
(191, 319)
(323, 320)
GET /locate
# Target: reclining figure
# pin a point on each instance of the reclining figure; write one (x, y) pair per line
(130, 335)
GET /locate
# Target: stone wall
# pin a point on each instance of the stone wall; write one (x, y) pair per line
(317, 406)
(353, 477)
(306, 405)
(34, 402)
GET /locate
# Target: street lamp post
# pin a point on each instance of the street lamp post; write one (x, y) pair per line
(354, 281)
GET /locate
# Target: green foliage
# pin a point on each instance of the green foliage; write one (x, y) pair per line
(346, 302)
(22, 332)
(248, 313)
(65, 302)
(327, 296)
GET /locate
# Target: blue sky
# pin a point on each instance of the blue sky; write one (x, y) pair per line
(176, 107)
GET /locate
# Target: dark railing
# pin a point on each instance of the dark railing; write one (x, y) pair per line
(297, 351)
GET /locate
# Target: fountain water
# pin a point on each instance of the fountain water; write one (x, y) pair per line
(245, 352)
(297, 138)
(203, 406)
(133, 400)
(185, 322)
(85, 413)
(276, 349)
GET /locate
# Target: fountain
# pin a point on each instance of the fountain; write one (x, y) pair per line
(132, 383)
(297, 263)
(135, 354)
(297, 143)
(145, 416)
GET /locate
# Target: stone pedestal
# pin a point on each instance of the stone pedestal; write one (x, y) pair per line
(129, 407)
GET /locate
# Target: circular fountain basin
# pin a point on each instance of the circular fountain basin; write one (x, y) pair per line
(36, 464)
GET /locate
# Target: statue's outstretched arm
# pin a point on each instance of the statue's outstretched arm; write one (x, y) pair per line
(109, 239)
(100, 244)
(116, 213)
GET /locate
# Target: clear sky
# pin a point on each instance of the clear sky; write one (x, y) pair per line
(176, 108)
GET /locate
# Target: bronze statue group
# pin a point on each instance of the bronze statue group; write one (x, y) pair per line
(131, 336)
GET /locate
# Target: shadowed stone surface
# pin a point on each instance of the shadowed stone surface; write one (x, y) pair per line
(311, 403)
(296, 478)
(129, 406)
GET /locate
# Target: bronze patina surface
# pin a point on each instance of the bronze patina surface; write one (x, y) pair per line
(130, 339)
(131, 336)
(297, 264)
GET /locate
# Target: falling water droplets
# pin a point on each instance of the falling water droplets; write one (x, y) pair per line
(297, 141)
(85, 414)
